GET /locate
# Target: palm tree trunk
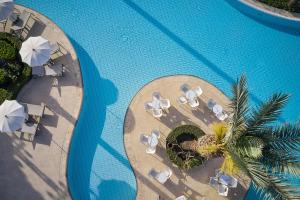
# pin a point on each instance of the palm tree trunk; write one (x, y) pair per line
(194, 145)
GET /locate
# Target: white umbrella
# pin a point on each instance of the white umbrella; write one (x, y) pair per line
(12, 116)
(6, 8)
(35, 51)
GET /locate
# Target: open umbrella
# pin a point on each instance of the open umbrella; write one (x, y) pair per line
(35, 51)
(6, 8)
(12, 116)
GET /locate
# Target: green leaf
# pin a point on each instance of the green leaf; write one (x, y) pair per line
(250, 146)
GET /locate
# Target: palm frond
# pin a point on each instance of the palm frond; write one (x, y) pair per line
(239, 106)
(266, 113)
(229, 166)
(286, 137)
(209, 149)
(280, 189)
(282, 162)
(220, 130)
(249, 146)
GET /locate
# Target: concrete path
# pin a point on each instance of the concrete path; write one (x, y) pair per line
(37, 169)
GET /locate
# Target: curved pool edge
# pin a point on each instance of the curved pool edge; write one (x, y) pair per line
(272, 10)
(68, 140)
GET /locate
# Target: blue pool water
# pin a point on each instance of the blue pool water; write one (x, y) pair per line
(123, 44)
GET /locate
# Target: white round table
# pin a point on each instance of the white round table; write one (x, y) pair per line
(217, 109)
(156, 104)
(191, 95)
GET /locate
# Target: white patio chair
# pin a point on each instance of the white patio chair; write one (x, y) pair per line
(184, 88)
(213, 181)
(165, 103)
(157, 113)
(163, 176)
(156, 95)
(151, 150)
(211, 103)
(144, 139)
(156, 133)
(222, 116)
(148, 106)
(194, 103)
(223, 190)
(182, 197)
(198, 91)
(182, 100)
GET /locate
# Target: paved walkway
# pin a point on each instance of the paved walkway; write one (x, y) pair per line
(37, 169)
(194, 183)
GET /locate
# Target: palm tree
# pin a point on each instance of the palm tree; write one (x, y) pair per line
(250, 142)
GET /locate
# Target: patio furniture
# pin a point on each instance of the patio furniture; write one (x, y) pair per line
(182, 197)
(37, 111)
(211, 103)
(165, 104)
(162, 176)
(156, 96)
(55, 47)
(156, 133)
(222, 189)
(55, 69)
(198, 91)
(144, 139)
(228, 181)
(194, 103)
(148, 106)
(182, 100)
(184, 88)
(151, 150)
(217, 109)
(20, 23)
(222, 116)
(157, 113)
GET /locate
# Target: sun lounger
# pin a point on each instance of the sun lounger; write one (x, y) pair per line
(20, 23)
(228, 181)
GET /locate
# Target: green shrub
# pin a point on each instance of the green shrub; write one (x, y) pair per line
(12, 40)
(282, 4)
(3, 77)
(7, 51)
(184, 159)
(4, 94)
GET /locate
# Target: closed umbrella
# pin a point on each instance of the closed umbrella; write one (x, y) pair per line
(6, 8)
(35, 51)
(12, 116)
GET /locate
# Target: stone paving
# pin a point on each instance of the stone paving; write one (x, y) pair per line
(37, 169)
(193, 183)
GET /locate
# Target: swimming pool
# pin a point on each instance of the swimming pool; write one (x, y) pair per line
(124, 44)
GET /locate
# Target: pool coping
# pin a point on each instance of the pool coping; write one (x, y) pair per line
(68, 139)
(272, 10)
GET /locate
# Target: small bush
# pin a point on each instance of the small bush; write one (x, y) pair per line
(282, 4)
(7, 52)
(4, 94)
(12, 40)
(184, 159)
(3, 77)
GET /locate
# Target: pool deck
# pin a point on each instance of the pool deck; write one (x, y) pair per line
(37, 169)
(193, 183)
